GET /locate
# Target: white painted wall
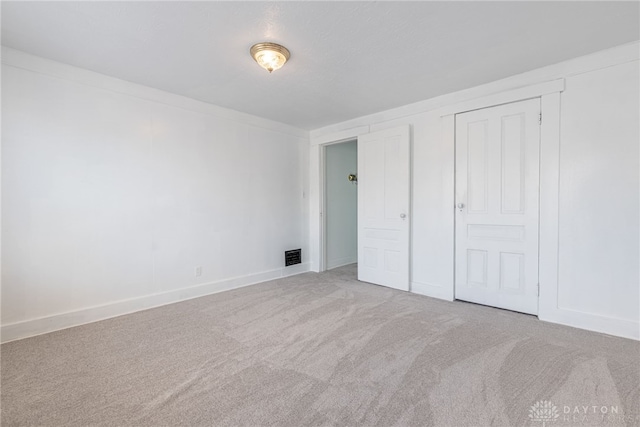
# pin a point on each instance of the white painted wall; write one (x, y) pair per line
(341, 205)
(114, 193)
(599, 193)
(599, 188)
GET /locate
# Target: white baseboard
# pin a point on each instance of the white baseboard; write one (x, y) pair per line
(335, 263)
(592, 322)
(577, 319)
(432, 290)
(43, 325)
(15, 331)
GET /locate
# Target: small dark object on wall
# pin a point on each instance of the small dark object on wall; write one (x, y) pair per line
(292, 257)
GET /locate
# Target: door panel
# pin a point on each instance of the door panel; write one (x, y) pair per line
(497, 192)
(383, 207)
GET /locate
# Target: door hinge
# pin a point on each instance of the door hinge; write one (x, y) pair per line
(538, 289)
(540, 118)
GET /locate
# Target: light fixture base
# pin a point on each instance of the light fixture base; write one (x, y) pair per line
(270, 56)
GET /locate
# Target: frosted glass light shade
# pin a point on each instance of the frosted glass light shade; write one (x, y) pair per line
(270, 56)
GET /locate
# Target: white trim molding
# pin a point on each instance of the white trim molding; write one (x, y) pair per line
(513, 95)
(56, 322)
(592, 322)
(340, 136)
(549, 206)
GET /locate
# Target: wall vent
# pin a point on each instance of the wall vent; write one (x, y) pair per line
(292, 257)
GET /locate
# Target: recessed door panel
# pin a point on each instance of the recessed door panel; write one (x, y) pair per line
(477, 268)
(512, 271)
(369, 257)
(514, 233)
(512, 156)
(477, 158)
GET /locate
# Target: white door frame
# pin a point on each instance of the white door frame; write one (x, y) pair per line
(322, 266)
(549, 94)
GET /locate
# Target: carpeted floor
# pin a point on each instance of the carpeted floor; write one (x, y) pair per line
(320, 349)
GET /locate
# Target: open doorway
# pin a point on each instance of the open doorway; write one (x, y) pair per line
(340, 204)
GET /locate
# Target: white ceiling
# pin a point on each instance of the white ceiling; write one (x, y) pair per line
(347, 58)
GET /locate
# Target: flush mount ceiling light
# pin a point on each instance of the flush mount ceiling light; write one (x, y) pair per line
(270, 56)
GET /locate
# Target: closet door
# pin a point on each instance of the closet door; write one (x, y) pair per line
(497, 193)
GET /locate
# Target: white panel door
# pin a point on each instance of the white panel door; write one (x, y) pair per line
(497, 192)
(383, 207)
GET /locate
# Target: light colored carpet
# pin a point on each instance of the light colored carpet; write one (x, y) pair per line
(319, 349)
